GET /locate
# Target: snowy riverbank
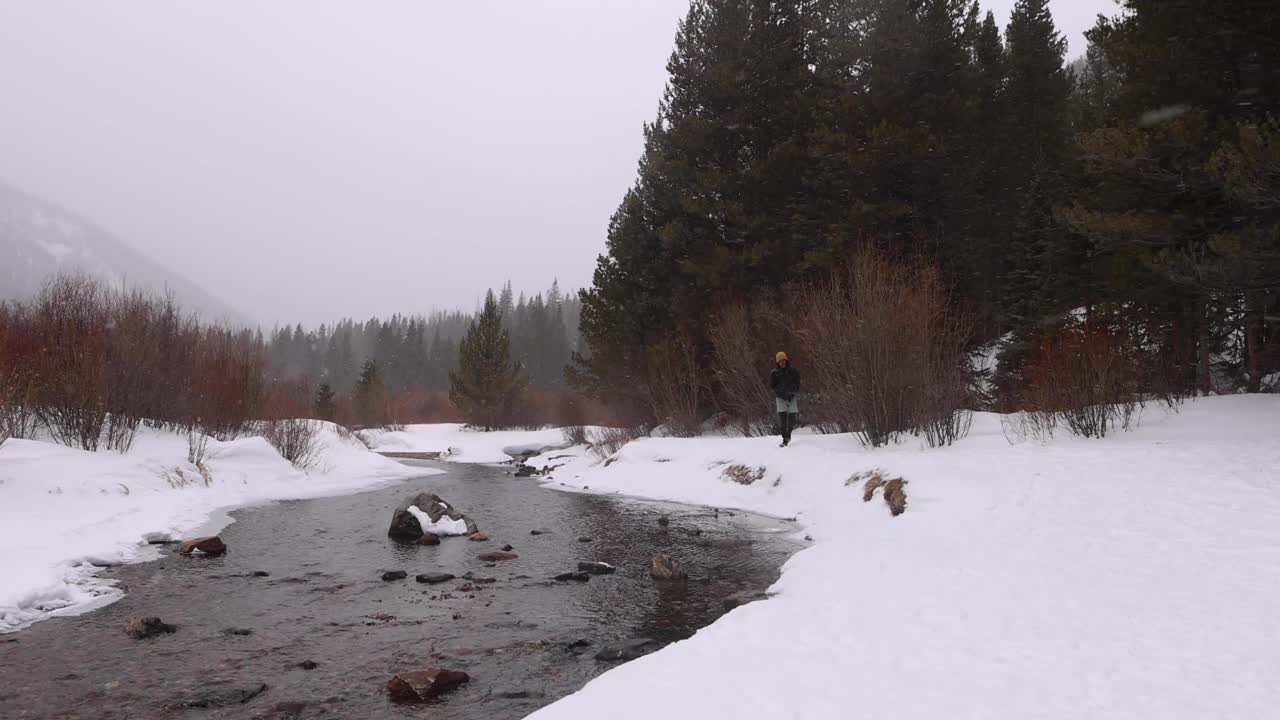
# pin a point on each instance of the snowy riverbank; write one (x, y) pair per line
(456, 443)
(65, 512)
(1131, 577)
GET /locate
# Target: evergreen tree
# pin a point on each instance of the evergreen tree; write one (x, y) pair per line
(487, 385)
(324, 405)
(369, 399)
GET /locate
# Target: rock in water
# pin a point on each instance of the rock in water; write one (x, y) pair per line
(496, 556)
(223, 698)
(666, 567)
(404, 526)
(739, 599)
(578, 576)
(148, 627)
(434, 578)
(597, 568)
(507, 548)
(627, 649)
(394, 575)
(429, 539)
(479, 537)
(415, 687)
(211, 546)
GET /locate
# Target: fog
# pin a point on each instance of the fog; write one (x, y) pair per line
(305, 160)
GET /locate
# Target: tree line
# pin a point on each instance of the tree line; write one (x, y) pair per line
(1126, 207)
(88, 365)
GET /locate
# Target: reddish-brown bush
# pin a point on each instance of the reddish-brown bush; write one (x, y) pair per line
(885, 350)
(674, 387)
(1085, 376)
(744, 339)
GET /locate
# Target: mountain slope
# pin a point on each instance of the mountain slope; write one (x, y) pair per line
(39, 239)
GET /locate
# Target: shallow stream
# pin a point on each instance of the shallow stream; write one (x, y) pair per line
(524, 639)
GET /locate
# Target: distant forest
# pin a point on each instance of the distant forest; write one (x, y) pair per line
(419, 351)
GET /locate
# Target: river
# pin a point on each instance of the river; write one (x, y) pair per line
(318, 601)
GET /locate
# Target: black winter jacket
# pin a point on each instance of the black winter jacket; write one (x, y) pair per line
(785, 381)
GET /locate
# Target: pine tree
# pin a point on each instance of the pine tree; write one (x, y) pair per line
(370, 397)
(487, 385)
(324, 406)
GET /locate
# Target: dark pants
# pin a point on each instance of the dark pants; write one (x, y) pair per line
(788, 415)
(787, 422)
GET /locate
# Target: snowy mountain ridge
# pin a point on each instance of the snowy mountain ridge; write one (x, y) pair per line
(38, 239)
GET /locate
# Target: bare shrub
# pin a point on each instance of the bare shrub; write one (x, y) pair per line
(674, 387)
(1087, 376)
(69, 323)
(886, 351)
(575, 434)
(1035, 425)
(743, 341)
(197, 447)
(607, 441)
(742, 474)
(296, 439)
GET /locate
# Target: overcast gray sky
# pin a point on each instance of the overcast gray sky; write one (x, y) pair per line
(310, 159)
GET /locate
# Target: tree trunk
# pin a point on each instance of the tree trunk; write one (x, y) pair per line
(1204, 380)
(1254, 339)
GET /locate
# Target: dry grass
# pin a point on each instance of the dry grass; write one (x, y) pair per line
(742, 474)
(895, 496)
(895, 493)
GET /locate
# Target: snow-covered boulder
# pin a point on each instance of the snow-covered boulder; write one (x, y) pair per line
(428, 513)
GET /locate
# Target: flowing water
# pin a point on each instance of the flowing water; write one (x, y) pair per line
(524, 639)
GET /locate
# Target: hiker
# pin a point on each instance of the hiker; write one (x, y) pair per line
(785, 381)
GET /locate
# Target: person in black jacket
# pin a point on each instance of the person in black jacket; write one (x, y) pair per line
(785, 381)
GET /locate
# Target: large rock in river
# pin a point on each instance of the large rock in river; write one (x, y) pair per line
(416, 687)
(211, 546)
(406, 526)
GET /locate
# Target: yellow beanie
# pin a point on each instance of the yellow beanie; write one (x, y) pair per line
(780, 357)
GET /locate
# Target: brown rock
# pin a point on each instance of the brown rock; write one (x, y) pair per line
(210, 546)
(415, 687)
(148, 627)
(666, 567)
(496, 556)
(479, 537)
(429, 539)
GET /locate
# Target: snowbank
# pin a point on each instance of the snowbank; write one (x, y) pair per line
(63, 511)
(1132, 577)
(456, 443)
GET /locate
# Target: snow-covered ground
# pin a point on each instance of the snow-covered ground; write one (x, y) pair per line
(64, 511)
(459, 444)
(1136, 576)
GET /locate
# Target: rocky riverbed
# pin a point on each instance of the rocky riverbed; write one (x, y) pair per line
(296, 620)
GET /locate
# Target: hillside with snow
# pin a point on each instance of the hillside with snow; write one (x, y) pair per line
(38, 239)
